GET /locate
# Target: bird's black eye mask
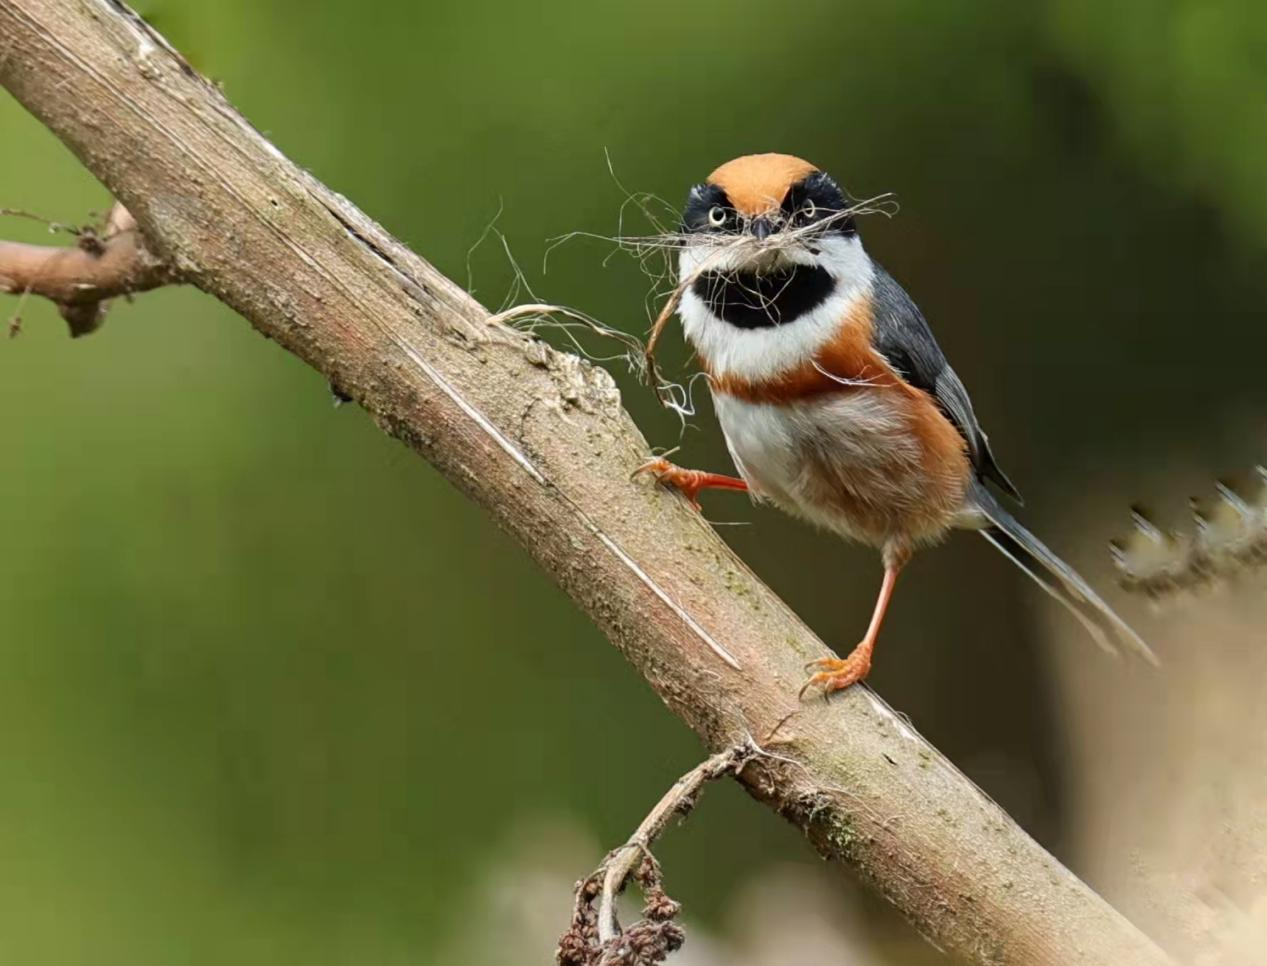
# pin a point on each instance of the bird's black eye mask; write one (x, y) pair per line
(708, 209)
(813, 200)
(817, 199)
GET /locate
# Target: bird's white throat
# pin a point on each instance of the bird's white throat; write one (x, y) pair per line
(756, 354)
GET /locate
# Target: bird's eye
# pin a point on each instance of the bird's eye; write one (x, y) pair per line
(808, 212)
(717, 216)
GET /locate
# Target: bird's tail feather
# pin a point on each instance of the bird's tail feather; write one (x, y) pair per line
(1058, 579)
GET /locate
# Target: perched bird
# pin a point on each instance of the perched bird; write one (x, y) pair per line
(837, 404)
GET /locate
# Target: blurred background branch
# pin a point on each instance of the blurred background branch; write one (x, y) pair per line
(484, 404)
(1230, 539)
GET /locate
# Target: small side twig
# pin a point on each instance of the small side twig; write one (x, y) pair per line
(81, 280)
(595, 937)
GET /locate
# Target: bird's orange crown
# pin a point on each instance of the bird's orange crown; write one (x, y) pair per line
(755, 183)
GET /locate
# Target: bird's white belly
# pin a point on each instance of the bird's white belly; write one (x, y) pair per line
(849, 462)
(763, 441)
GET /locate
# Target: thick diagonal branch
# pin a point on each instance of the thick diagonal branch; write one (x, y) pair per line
(539, 439)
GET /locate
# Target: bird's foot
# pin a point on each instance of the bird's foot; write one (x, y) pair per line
(687, 482)
(836, 674)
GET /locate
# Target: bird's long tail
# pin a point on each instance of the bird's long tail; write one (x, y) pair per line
(1057, 578)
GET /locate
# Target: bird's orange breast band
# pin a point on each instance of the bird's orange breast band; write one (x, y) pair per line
(850, 364)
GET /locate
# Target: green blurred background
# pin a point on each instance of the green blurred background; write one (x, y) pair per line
(271, 691)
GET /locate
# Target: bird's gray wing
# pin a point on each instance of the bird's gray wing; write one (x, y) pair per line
(903, 337)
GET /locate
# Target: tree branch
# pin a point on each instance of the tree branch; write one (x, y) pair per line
(81, 279)
(485, 404)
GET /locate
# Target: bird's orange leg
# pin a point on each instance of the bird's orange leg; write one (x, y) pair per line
(836, 674)
(689, 482)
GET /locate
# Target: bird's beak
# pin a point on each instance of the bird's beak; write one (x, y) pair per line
(761, 228)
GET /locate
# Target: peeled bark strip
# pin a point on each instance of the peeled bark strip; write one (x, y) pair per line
(483, 403)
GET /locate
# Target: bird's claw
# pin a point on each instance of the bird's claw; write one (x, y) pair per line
(672, 476)
(836, 674)
(654, 466)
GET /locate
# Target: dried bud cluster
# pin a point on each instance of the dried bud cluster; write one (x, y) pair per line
(646, 942)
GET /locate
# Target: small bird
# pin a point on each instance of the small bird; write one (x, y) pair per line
(836, 402)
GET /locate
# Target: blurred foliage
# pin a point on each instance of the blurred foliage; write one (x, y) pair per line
(1181, 83)
(270, 691)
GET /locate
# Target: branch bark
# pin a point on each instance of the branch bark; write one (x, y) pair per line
(230, 214)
